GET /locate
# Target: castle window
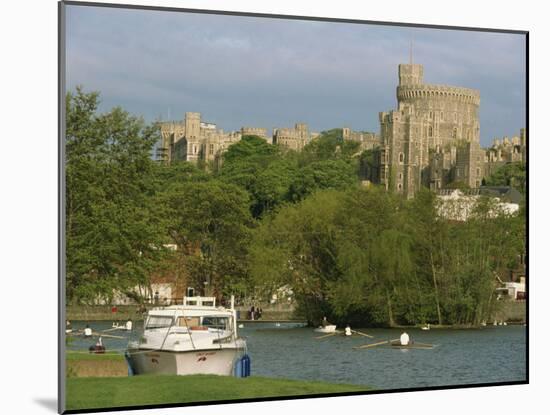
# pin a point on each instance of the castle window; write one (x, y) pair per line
(211, 148)
(454, 132)
(430, 132)
(441, 116)
(478, 172)
(431, 115)
(401, 158)
(399, 186)
(400, 176)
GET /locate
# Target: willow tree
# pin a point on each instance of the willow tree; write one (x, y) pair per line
(296, 247)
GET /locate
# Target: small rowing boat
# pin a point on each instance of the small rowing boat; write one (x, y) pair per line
(330, 328)
(411, 345)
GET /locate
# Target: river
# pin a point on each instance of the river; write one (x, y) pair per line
(487, 355)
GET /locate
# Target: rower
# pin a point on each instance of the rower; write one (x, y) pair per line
(404, 339)
(348, 330)
(129, 325)
(87, 331)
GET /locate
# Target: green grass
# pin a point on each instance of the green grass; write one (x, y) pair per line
(89, 393)
(71, 356)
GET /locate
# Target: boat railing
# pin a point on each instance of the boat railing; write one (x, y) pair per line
(199, 301)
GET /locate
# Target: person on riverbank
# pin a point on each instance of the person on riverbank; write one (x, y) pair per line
(404, 339)
(129, 325)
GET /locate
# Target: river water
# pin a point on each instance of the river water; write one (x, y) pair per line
(491, 354)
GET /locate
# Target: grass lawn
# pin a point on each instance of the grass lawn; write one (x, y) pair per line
(93, 392)
(95, 365)
(72, 356)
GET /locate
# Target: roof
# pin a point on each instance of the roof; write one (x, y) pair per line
(505, 193)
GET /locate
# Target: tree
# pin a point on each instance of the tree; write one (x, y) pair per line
(258, 168)
(113, 237)
(326, 174)
(295, 246)
(511, 174)
(430, 236)
(329, 145)
(210, 222)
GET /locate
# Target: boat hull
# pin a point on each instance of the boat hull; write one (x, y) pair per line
(398, 345)
(207, 362)
(326, 329)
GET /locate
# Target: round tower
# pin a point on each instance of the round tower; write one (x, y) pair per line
(448, 114)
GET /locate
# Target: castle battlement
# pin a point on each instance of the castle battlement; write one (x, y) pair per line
(447, 92)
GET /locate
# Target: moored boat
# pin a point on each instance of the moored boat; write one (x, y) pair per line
(194, 338)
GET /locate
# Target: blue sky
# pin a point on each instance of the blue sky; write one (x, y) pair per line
(243, 71)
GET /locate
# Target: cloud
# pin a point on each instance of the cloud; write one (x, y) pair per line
(273, 72)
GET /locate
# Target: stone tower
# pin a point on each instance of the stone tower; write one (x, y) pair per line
(428, 117)
(192, 135)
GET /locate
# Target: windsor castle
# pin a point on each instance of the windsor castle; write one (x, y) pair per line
(431, 139)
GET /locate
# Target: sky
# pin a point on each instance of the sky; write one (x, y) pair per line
(264, 72)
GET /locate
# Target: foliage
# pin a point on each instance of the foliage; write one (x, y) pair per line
(329, 145)
(112, 233)
(367, 256)
(210, 221)
(511, 174)
(326, 174)
(268, 218)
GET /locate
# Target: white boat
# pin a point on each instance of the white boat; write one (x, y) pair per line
(194, 338)
(425, 327)
(329, 328)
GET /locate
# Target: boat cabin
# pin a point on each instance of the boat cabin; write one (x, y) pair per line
(195, 314)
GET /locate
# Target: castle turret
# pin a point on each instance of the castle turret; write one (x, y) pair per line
(411, 74)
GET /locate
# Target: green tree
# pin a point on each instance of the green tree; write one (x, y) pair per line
(210, 222)
(329, 145)
(112, 234)
(511, 174)
(326, 174)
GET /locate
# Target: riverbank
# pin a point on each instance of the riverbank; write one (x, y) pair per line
(512, 312)
(95, 393)
(135, 312)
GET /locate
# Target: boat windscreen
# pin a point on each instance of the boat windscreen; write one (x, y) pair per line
(158, 322)
(216, 322)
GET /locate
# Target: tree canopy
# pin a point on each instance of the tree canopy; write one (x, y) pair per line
(267, 217)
